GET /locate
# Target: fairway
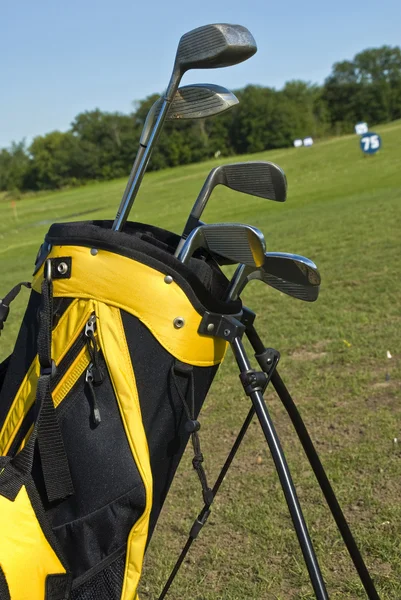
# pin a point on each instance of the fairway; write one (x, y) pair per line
(340, 359)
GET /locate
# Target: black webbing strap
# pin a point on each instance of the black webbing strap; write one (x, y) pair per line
(56, 472)
(6, 301)
(4, 591)
(192, 425)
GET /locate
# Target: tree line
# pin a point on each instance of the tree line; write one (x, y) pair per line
(101, 145)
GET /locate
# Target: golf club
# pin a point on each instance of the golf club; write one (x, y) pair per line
(291, 274)
(235, 241)
(207, 47)
(258, 178)
(197, 101)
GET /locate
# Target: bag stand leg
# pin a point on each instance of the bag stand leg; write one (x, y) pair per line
(254, 391)
(316, 465)
(254, 384)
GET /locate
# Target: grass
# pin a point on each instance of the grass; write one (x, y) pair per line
(344, 212)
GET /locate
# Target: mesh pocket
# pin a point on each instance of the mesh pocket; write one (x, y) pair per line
(105, 585)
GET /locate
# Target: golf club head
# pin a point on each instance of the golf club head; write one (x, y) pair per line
(291, 274)
(214, 46)
(256, 178)
(292, 267)
(196, 101)
(240, 243)
(201, 100)
(308, 293)
(210, 46)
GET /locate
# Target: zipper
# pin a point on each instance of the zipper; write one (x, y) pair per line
(90, 380)
(93, 377)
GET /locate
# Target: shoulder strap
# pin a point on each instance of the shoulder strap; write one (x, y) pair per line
(46, 431)
(6, 301)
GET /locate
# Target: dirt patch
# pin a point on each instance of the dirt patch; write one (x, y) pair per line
(307, 355)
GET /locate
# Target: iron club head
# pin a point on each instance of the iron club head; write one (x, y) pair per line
(238, 242)
(256, 178)
(291, 274)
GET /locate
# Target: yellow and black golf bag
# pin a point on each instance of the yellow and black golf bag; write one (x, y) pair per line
(97, 403)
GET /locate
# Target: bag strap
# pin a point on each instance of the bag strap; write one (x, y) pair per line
(192, 426)
(6, 301)
(46, 431)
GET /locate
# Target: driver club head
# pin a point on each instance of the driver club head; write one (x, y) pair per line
(201, 100)
(196, 101)
(214, 46)
(207, 47)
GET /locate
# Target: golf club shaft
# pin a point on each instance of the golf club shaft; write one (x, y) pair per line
(137, 162)
(193, 219)
(122, 215)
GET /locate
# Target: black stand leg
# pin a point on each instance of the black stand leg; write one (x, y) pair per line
(316, 465)
(254, 391)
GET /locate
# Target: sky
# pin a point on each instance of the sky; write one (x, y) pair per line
(62, 58)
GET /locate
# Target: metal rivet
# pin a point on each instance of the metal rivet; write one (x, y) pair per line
(178, 322)
(210, 327)
(168, 279)
(227, 332)
(94, 251)
(62, 268)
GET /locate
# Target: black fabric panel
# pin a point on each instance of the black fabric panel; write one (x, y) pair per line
(162, 410)
(22, 356)
(106, 584)
(4, 591)
(3, 370)
(57, 587)
(109, 493)
(203, 282)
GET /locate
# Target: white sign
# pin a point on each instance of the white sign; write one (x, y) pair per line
(361, 128)
(298, 143)
(308, 141)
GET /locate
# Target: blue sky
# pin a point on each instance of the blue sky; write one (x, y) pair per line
(61, 58)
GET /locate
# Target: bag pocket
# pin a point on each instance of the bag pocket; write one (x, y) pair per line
(94, 523)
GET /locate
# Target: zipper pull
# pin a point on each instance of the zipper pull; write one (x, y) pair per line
(97, 375)
(95, 409)
(90, 326)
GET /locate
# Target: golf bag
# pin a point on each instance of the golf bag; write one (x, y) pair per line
(97, 403)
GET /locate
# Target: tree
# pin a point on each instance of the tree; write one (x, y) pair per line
(14, 166)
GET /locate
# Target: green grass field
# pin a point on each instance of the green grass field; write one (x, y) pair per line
(344, 212)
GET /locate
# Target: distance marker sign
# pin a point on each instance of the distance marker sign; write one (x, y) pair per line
(370, 142)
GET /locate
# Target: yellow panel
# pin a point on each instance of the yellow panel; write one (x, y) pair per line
(141, 291)
(115, 349)
(64, 335)
(26, 556)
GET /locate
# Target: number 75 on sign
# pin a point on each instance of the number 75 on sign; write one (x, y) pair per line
(370, 142)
